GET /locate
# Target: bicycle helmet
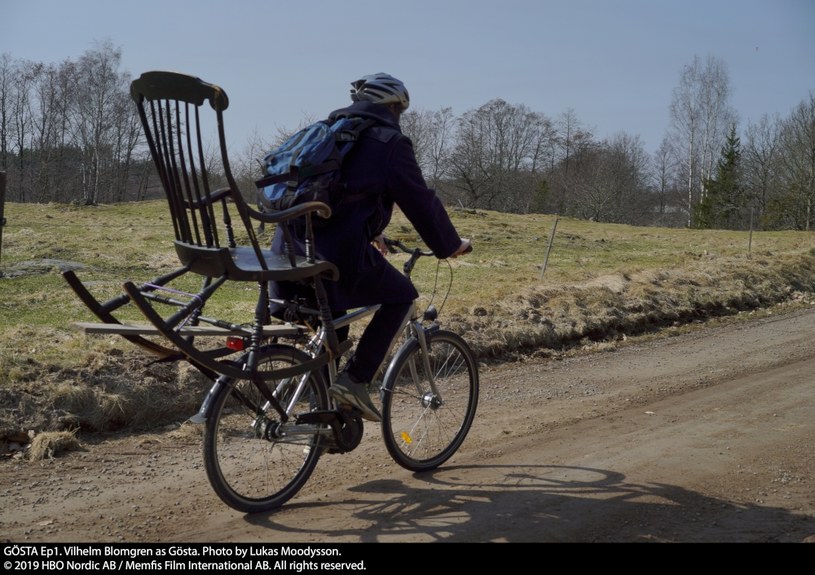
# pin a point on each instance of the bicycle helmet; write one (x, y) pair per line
(382, 89)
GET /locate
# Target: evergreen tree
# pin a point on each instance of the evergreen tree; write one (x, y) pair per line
(724, 204)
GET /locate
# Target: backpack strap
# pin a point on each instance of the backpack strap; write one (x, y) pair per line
(353, 135)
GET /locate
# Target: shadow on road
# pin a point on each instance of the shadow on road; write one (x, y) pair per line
(528, 503)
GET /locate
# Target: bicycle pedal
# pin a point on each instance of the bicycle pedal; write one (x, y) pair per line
(346, 409)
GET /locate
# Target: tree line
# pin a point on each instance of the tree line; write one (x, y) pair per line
(69, 133)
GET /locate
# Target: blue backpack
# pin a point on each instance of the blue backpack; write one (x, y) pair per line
(306, 167)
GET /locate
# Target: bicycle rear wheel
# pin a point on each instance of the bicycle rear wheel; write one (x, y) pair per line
(250, 467)
(422, 429)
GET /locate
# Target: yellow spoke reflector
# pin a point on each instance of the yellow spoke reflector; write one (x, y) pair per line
(406, 437)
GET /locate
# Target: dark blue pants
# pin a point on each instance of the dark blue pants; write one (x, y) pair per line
(375, 341)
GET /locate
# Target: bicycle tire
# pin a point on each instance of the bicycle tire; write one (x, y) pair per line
(419, 432)
(253, 474)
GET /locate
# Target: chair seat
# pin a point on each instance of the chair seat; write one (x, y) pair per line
(242, 264)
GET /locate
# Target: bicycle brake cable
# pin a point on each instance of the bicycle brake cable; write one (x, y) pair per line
(436, 284)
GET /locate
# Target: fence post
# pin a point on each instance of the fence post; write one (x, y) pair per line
(549, 247)
(2, 212)
(750, 240)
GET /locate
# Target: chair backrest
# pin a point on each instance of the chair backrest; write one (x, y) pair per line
(180, 130)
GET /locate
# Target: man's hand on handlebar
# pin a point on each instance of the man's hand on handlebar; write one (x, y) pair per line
(380, 244)
(465, 248)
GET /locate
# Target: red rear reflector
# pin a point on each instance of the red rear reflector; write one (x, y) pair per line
(234, 343)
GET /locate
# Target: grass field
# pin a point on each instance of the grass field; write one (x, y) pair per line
(602, 284)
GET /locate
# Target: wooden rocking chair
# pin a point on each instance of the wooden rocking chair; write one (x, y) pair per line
(215, 239)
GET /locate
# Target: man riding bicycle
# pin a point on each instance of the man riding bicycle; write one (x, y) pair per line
(380, 171)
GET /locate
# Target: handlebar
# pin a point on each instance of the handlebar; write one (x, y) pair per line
(395, 246)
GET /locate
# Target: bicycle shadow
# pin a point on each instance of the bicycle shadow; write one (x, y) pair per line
(540, 503)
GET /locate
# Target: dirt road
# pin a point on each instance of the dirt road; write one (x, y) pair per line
(707, 436)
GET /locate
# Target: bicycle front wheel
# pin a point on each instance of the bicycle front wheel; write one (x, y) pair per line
(251, 462)
(424, 425)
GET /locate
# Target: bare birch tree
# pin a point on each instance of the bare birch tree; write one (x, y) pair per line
(97, 89)
(700, 118)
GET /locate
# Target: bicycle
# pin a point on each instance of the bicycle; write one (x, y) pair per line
(268, 416)
(260, 451)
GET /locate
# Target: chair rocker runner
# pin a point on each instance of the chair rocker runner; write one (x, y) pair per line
(215, 240)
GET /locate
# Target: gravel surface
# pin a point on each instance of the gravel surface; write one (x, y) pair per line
(703, 437)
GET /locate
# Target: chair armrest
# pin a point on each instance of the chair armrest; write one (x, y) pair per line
(215, 196)
(323, 210)
(319, 208)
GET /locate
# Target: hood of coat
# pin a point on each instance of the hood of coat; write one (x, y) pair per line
(368, 110)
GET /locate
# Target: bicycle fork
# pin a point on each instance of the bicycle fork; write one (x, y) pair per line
(432, 398)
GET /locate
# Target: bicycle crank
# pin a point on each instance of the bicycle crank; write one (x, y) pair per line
(346, 425)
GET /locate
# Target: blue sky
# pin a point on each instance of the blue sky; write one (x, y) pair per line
(614, 62)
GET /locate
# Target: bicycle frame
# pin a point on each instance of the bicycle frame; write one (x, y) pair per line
(413, 328)
(261, 446)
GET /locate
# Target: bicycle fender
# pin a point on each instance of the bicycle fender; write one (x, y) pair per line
(203, 411)
(408, 344)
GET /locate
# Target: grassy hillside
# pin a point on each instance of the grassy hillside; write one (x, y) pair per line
(602, 284)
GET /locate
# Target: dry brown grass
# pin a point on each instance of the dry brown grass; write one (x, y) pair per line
(542, 319)
(603, 284)
(50, 444)
(109, 387)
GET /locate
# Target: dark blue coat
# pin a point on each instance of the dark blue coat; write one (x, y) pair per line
(383, 165)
